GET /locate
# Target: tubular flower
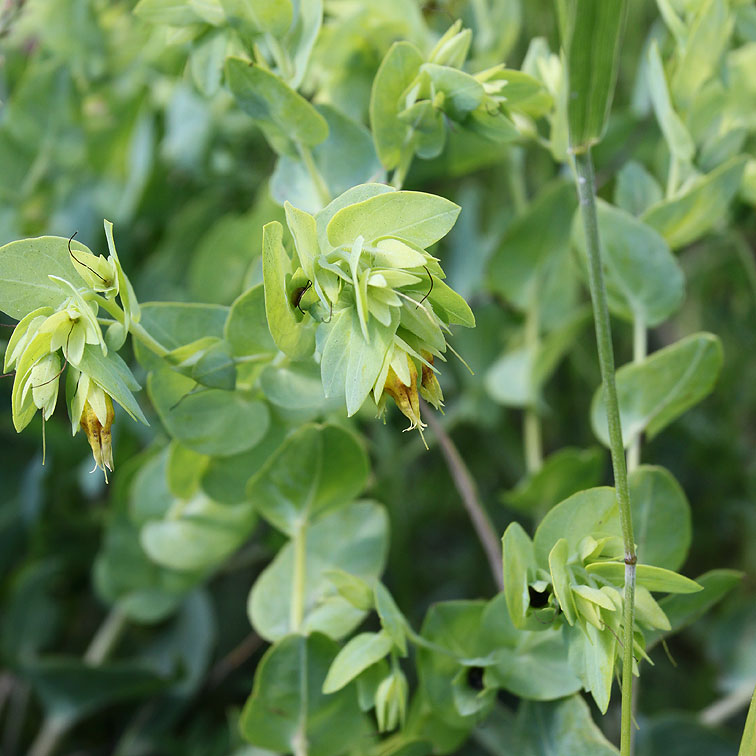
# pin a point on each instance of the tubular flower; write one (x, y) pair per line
(405, 395)
(97, 424)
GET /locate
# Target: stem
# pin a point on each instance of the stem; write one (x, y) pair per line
(300, 570)
(54, 729)
(640, 350)
(587, 194)
(531, 421)
(324, 194)
(135, 329)
(139, 333)
(465, 486)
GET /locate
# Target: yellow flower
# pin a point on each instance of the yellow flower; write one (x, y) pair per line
(96, 424)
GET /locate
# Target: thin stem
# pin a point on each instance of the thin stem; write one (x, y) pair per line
(135, 329)
(54, 729)
(139, 333)
(324, 194)
(516, 179)
(587, 194)
(531, 421)
(640, 350)
(466, 488)
(300, 571)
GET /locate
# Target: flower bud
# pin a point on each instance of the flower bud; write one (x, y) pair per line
(391, 701)
(96, 421)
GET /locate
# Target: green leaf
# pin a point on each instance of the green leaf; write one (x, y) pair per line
(263, 16)
(636, 189)
(530, 664)
(539, 233)
(284, 116)
(246, 328)
(112, 374)
(678, 138)
(592, 656)
(287, 705)
(353, 539)
(358, 654)
(462, 92)
(317, 469)
(198, 534)
(395, 74)
(560, 579)
(593, 512)
(349, 197)
(661, 517)
(176, 325)
(656, 391)
(168, 12)
(414, 217)
(350, 365)
(748, 743)
(688, 216)
(709, 33)
(561, 728)
(683, 609)
(653, 578)
(345, 159)
(225, 478)
(591, 32)
(456, 627)
(519, 565)
(355, 590)
(562, 474)
(210, 421)
(392, 619)
(450, 306)
(643, 279)
(292, 336)
(24, 269)
(216, 367)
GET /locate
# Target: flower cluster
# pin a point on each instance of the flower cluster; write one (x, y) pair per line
(68, 334)
(375, 294)
(561, 580)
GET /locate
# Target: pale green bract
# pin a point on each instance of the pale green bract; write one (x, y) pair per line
(363, 276)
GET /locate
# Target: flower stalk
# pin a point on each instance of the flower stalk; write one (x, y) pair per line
(587, 194)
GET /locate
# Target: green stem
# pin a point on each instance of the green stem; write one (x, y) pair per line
(300, 571)
(54, 729)
(139, 333)
(640, 350)
(135, 329)
(324, 194)
(587, 194)
(531, 421)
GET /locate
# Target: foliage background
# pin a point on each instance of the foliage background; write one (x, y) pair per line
(102, 118)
